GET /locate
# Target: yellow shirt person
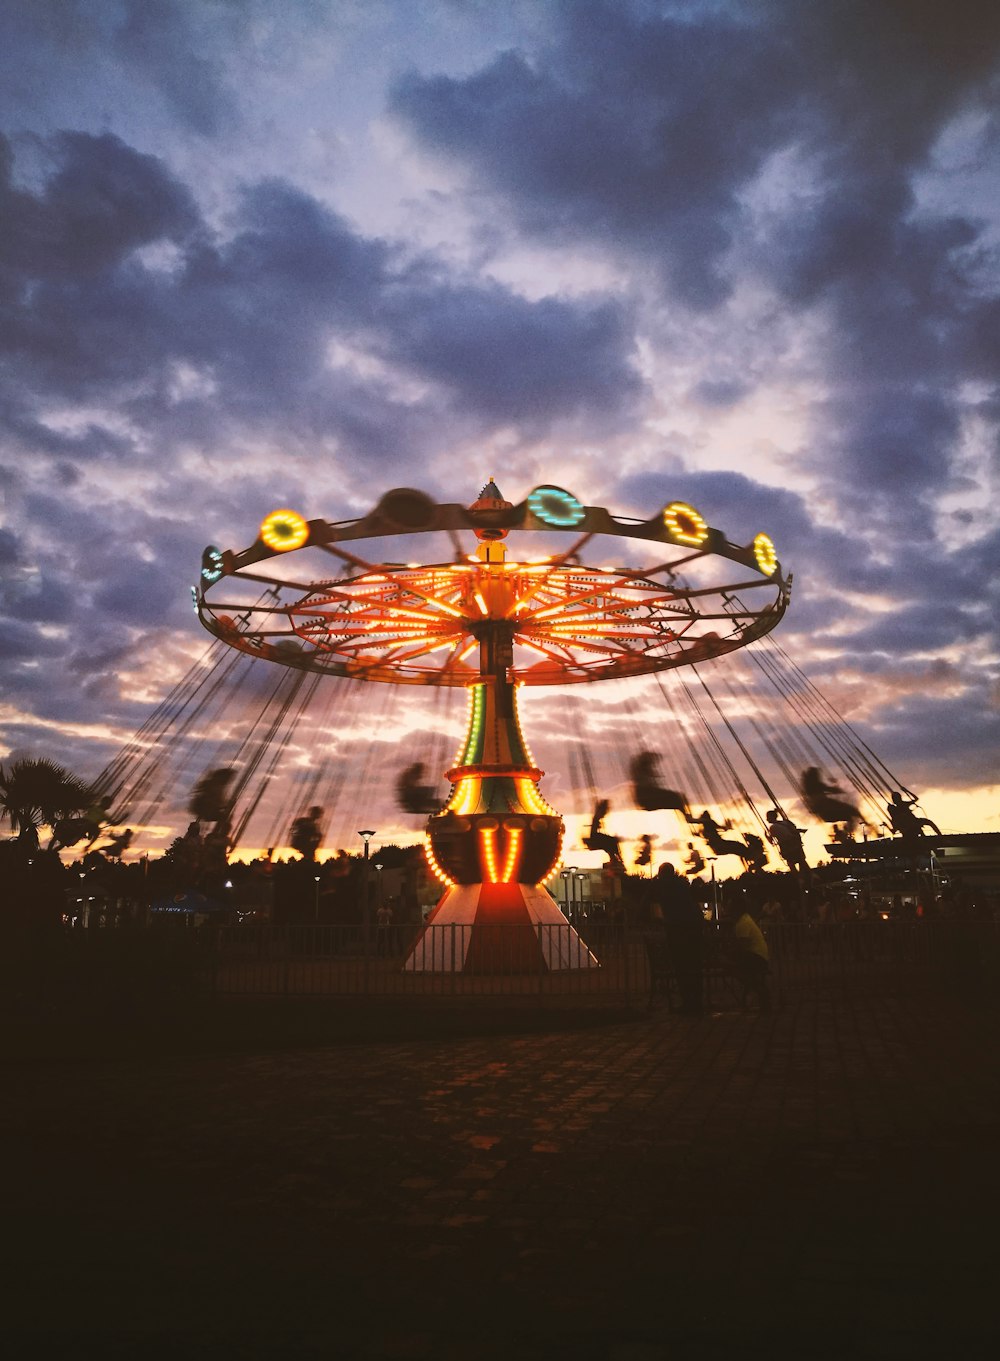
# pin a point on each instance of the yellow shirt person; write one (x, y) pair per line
(750, 936)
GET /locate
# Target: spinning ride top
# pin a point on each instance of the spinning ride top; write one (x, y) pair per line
(492, 623)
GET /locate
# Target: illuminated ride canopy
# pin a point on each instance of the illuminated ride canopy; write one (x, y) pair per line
(492, 620)
(548, 620)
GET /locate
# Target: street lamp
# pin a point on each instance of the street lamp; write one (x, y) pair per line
(565, 876)
(715, 889)
(367, 834)
(316, 878)
(570, 874)
(581, 880)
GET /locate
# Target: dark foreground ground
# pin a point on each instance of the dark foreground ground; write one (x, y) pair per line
(821, 1182)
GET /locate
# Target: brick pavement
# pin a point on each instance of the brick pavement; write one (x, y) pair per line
(819, 1181)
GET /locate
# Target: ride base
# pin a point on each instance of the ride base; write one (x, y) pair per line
(497, 929)
(493, 844)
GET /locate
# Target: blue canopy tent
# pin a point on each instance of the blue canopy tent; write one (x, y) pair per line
(188, 903)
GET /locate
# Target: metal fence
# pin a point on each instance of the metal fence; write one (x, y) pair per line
(602, 965)
(125, 972)
(884, 956)
(542, 962)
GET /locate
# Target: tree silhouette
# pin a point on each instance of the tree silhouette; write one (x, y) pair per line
(36, 792)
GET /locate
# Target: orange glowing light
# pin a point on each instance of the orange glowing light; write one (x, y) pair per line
(466, 796)
(529, 796)
(433, 865)
(513, 857)
(488, 849)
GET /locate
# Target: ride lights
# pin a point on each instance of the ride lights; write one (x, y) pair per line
(477, 695)
(520, 734)
(764, 552)
(284, 530)
(685, 524)
(211, 565)
(497, 872)
(488, 849)
(433, 865)
(466, 796)
(512, 859)
(555, 507)
(527, 792)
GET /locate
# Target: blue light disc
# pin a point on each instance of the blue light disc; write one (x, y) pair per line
(555, 507)
(211, 565)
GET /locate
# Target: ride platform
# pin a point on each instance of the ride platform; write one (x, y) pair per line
(500, 928)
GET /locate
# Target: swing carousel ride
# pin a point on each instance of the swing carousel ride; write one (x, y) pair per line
(491, 622)
(280, 756)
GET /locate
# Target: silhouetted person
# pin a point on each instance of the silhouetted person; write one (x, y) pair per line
(383, 929)
(755, 856)
(68, 831)
(750, 958)
(97, 811)
(684, 932)
(788, 839)
(118, 844)
(86, 827)
(598, 840)
(412, 795)
(187, 850)
(645, 856)
(695, 861)
(648, 792)
(712, 833)
(904, 821)
(216, 846)
(826, 801)
(306, 833)
(210, 799)
(705, 646)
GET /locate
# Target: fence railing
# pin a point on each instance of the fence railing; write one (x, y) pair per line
(603, 963)
(883, 955)
(118, 971)
(549, 962)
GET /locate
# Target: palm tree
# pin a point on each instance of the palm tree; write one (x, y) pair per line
(35, 792)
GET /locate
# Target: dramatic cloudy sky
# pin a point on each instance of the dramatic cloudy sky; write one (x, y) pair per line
(744, 254)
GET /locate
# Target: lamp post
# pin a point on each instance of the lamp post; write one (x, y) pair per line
(316, 913)
(715, 889)
(571, 872)
(367, 835)
(565, 876)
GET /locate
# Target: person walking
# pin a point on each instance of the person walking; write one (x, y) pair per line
(383, 929)
(751, 958)
(684, 932)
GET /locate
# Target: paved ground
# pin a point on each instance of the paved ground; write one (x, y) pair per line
(820, 1182)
